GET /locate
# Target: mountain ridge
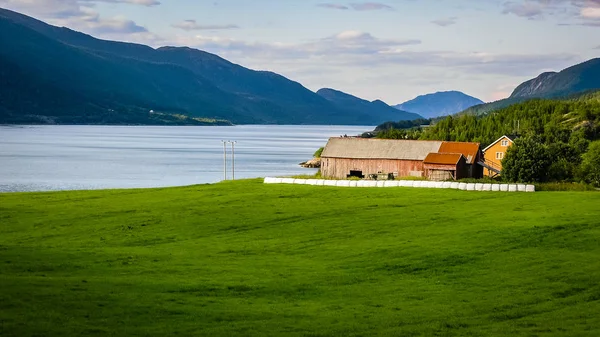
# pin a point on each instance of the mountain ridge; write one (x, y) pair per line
(82, 79)
(441, 103)
(577, 79)
(349, 102)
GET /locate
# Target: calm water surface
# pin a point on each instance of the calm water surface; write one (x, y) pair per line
(44, 158)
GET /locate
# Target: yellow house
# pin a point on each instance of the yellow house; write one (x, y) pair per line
(493, 155)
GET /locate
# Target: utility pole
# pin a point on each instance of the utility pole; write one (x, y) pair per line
(233, 159)
(224, 160)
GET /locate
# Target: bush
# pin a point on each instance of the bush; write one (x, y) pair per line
(528, 160)
(318, 153)
(590, 166)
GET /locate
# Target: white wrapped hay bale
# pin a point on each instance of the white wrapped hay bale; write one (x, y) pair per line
(405, 183)
(287, 180)
(343, 183)
(521, 187)
(447, 184)
(311, 182)
(269, 180)
(462, 186)
(330, 183)
(470, 187)
(380, 183)
(454, 185)
(478, 187)
(495, 187)
(512, 188)
(438, 184)
(391, 183)
(530, 188)
(300, 181)
(370, 183)
(487, 187)
(417, 183)
(504, 188)
(361, 183)
(353, 183)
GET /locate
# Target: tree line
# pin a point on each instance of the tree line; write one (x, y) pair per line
(558, 140)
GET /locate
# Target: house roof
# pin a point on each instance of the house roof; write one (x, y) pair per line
(372, 148)
(443, 158)
(511, 138)
(468, 150)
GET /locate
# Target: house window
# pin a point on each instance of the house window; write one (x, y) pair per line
(505, 142)
(499, 155)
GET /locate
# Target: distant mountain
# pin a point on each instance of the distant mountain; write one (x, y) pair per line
(360, 106)
(581, 77)
(56, 75)
(439, 104)
(571, 81)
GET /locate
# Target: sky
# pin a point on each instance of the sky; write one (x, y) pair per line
(392, 50)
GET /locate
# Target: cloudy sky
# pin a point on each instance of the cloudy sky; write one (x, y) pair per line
(394, 50)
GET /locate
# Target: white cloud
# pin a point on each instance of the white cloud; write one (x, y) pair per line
(359, 6)
(81, 15)
(444, 22)
(590, 13)
(190, 25)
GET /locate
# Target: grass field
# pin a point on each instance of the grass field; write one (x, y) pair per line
(247, 259)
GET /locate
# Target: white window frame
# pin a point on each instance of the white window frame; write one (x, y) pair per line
(504, 143)
(500, 155)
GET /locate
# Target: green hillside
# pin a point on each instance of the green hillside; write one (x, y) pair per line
(247, 259)
(56, 75)
(573, 81)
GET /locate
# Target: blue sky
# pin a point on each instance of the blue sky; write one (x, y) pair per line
(389, 50)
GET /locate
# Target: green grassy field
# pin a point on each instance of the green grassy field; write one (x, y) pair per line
(247, 259)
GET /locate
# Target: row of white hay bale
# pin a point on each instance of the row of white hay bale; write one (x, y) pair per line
(405, 183)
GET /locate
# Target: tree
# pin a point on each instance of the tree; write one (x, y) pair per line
(528, 160)
(590, 166)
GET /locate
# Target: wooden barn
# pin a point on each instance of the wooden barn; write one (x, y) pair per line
(472, 153)
(445, 166)
(345, 157)
(360, 157)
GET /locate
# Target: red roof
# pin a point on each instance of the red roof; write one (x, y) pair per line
(443, 158)
(468, 150)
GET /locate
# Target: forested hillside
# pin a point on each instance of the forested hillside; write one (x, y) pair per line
(564, 128)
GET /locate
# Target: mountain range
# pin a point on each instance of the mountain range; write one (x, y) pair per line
(50, 74)
(354, 104)
(574, 80)
(439, 104)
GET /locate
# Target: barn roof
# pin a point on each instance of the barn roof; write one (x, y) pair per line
(372, 148)
(443, 158)
(469, 150)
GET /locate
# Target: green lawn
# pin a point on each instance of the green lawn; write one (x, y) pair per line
(247, 259)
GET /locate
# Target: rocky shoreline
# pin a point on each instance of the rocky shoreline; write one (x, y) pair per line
(313, 163)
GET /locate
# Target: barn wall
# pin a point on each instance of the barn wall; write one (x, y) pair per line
(439, 172)
(339, 168)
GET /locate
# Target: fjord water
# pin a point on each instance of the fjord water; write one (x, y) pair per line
(45, 158)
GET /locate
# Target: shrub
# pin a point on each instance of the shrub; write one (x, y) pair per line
(318, 153)
(528, 160)
(590, 166)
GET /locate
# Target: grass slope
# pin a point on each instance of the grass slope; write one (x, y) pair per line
(244, 258)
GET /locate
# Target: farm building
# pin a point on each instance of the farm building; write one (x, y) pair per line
(361, 157)
(494, 153)
(445, 166)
